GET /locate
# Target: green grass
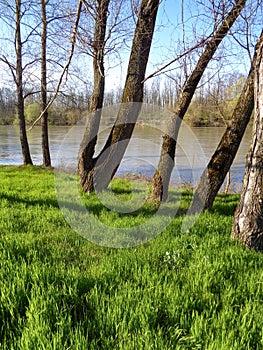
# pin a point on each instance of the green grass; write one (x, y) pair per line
(197, 290)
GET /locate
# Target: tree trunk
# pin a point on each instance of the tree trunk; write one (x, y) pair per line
(248, 221)
(166, 163)
(88, 143)
(44, 123)
(223, 157)
(19, 89)
(107, 162)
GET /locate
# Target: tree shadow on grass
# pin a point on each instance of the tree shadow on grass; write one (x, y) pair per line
(177, 205)
(223, 209)
(227, 198)
(13, 199)
(226, 207)
(98, 208)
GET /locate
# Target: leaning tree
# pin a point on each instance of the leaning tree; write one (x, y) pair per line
(223, 157)
(99, 170)
(248, 221)
(166, 163)
(88, 143)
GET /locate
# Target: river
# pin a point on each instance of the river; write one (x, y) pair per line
(195, 147)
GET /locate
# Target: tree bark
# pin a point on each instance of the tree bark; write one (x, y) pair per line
(89, 140)
(223, 157)
(248, 221)
(106, 163)
(166, 163)
(19, 88)
(44, 122)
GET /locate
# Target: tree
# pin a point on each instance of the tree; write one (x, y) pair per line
(106, 163)
(44, 122)
(166, 163)
(14, 20)
(222, 159)
(44, 91)
(22, 58)
(19, 87)
(87, 147)
(38, 50)
(248, 221)
(215, 98)
(7, 105)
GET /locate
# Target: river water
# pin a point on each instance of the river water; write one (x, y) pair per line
(194, 148)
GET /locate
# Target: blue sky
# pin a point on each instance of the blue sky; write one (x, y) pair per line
(169, 31)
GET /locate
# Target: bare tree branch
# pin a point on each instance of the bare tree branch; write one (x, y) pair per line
(66, 67)
(10, 66)
(158, 71)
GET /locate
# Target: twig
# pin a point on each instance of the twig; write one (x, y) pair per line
(65, 69)
(202, 42)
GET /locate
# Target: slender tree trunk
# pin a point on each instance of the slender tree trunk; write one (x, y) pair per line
(223, 157)
(44, 122)
(88, 143)
(228, 181)
(248, 221)
(107, 162)
(166, 163)
(19, 88)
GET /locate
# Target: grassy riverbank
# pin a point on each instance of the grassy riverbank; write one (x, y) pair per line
(197, 290)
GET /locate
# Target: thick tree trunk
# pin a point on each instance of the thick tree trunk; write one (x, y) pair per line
(19, 88)
(166, 163)
(248, 221)
(223, 157)
(107, 162)
(88, 143)
(45, 141)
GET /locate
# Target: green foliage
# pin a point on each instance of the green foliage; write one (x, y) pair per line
(214, 105)
(32, 112)
(59, 291)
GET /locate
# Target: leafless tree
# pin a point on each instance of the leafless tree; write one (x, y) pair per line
(107, 162)
(87, 148)
(32, 51)
(45, 141)
(166, 162)
(220, 162)
(15, 14)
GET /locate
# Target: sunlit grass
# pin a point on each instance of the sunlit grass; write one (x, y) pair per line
(197, 290)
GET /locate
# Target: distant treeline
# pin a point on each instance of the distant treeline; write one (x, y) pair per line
(211, 106)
